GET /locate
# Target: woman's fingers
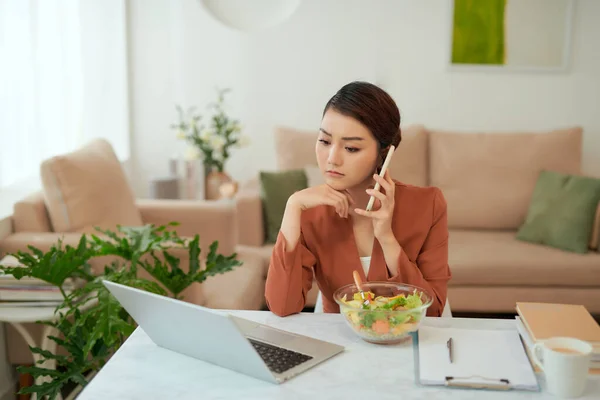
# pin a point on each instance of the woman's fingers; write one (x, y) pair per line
(375, 214)
(365, 213)
(349, 201)
(345, 198)
(349, 196)
(340, 202)
(377, 194)
(346, 202)
(377, 205)
(388, 178)
(384, 182)
(343, 205)
(332, 201)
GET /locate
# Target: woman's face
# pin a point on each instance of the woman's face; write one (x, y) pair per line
(346, 151)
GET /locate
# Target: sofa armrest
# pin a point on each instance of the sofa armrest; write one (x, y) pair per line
(242, 288)
(251, 230)
(214, 220)
(6, 227)
(43, 241)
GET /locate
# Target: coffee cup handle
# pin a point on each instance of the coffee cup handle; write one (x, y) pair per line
(535, 349)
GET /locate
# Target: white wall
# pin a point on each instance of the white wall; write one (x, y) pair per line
(179, 53)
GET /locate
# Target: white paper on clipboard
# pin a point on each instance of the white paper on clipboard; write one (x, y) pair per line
(480, 358)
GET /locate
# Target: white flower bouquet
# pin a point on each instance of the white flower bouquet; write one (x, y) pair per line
(214, 142)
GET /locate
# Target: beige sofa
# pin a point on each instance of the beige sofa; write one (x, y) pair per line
(88, 188)
(488, 180)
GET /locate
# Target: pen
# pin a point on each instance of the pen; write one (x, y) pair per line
(449, 346)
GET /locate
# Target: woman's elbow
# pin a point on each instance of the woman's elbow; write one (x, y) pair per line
(436, 309)
(278, 310)
(277, 306)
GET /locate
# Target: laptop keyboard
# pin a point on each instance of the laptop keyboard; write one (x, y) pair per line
(278, 359)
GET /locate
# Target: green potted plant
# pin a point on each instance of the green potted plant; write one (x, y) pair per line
(91, 323)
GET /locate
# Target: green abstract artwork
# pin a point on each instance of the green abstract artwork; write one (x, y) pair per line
(511, 33)
(478, 32)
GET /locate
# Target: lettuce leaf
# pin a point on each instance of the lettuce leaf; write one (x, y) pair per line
(413, 301)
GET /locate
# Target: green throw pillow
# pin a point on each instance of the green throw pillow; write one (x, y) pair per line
(276, 188)
(561, 212)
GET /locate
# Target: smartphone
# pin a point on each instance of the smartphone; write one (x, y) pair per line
(388, 158)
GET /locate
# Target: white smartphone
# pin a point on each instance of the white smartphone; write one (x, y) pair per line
(388, 158)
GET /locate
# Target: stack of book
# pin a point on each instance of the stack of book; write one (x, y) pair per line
(537, 322)
(27, 291)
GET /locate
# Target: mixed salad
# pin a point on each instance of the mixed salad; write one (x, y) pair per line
(375, 317)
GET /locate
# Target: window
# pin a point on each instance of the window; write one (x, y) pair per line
(63, 81)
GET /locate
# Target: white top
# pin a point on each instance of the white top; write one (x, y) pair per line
(142, 370)
(366, 263)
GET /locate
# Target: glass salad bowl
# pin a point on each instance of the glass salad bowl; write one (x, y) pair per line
(394, 310)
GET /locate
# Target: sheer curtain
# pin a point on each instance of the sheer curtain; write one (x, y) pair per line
(41, 84)
(63, 81)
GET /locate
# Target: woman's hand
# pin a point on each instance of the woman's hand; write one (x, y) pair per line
(309, 198)
(383, 208)
(322, 195)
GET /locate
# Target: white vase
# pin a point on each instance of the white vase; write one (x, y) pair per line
(190, 174)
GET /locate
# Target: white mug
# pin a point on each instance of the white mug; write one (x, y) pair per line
(565, 362)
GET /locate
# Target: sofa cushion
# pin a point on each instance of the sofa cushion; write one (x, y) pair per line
(497, 258)
(502, 299)
(242, 288)
(249, 214)
(30, 214)
(488, 178)
(88, 188)
(410, 161)
(562, 212)
(296, 148)
(262, 252)
(276, 188)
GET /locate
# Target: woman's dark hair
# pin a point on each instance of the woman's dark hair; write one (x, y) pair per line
(374, 108)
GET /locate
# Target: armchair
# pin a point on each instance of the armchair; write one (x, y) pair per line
(88, 188)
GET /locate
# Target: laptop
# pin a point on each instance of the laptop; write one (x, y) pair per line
(225, 340)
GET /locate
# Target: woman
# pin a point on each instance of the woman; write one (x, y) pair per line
(326, 229)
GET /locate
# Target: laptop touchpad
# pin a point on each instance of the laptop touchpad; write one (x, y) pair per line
(270, 336)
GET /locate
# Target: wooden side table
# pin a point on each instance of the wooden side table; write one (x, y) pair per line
(17, 316)
(7, 378)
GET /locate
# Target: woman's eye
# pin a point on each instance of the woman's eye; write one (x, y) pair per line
(352, 149)
(323, 141)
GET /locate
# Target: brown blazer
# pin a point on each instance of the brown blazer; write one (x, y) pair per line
(327, 247)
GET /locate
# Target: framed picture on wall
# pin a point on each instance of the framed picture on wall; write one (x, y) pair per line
(511, 34)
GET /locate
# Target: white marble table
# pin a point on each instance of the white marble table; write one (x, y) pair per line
(142, 370)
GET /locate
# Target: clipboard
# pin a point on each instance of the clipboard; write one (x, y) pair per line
(471, 367)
